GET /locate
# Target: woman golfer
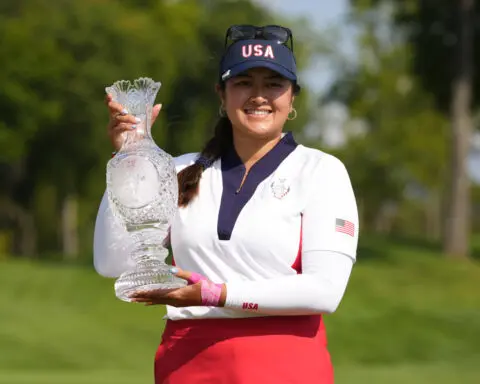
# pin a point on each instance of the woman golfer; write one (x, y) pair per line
(266, 232)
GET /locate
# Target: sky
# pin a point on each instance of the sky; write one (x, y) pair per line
(318, 11)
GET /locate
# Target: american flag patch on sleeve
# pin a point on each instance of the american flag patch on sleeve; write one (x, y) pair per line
(345, 226)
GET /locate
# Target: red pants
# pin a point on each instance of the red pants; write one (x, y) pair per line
(244, 351)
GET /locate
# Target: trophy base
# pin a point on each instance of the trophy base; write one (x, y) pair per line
(147, 278)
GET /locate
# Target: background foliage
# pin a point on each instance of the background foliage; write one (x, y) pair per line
(408, 315)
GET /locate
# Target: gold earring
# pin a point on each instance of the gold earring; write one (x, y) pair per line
(221, 111)
(294, 114)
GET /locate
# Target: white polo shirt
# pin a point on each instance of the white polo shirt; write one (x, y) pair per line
(294, 217)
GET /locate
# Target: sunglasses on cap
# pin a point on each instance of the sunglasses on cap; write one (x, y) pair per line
(276, 33)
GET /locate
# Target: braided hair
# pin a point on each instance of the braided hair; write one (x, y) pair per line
(216, 147)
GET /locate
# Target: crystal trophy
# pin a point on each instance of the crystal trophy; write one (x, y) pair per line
(142, 191)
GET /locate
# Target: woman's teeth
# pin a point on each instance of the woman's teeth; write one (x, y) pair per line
(257, 112)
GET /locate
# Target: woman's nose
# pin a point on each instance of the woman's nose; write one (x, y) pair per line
(258, 96)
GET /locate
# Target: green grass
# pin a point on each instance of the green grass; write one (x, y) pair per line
(408, 316)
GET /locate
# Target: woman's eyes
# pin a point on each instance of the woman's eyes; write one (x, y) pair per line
(275, 85)
(243, 83)
(247, 83)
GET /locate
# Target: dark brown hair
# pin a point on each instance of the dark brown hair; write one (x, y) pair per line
(218, 145)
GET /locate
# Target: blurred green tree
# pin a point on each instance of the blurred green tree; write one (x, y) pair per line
(396, 142)
(62, 54)
(440, 39)
(445, 34)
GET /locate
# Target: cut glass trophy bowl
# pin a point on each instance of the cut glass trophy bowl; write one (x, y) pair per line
(142, 190)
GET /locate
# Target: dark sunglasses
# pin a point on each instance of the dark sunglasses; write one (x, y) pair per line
(276, 33)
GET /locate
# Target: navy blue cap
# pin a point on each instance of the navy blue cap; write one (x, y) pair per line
(247, 54)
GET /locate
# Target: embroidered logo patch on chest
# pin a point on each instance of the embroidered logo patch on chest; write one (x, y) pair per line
(280, 188)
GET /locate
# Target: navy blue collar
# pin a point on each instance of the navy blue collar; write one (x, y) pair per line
(272, 159)
(233, 171)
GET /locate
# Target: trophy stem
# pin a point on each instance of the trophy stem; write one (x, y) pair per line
(150, 272)
(148, 243)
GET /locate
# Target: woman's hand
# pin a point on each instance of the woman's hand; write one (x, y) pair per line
(199, 292)
(120, 121)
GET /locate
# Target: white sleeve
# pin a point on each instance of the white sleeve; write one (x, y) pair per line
(111, 243)
(330, 218)
(319, 289)
(329, 245)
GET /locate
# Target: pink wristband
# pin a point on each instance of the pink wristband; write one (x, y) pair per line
(195, 278)
(210, 293)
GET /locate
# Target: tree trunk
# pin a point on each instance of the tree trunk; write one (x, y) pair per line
(69, 228)
(28, 234)
(433, 216)
(457, 220)
(25, 238)
(385, 218)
